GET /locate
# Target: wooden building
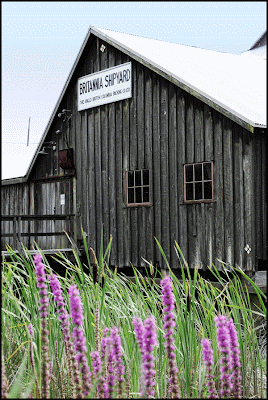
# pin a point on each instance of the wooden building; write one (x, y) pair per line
(149, 140)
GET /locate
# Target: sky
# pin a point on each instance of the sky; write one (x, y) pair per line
(41, 40)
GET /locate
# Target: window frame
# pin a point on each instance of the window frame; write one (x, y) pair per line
(193, 201)
(141, 204)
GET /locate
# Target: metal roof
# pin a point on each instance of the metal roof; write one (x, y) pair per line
(233, 84)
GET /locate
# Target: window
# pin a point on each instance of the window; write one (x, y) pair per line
(198, 182)
(138, 187)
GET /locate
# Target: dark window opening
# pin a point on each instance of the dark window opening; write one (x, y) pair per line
(198, 182)
(138, 187)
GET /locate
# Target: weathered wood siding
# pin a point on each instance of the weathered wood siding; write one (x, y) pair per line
(37, 198)
(160, 128)
(15, 199)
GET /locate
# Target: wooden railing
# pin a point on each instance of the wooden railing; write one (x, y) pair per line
(17, 233)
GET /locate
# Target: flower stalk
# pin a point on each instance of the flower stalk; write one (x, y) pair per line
(79, 338)
(43, 300)
(118, 359)
(63, 316)
(208, 360)
(224, 343)
(236, 377)
(169, 324)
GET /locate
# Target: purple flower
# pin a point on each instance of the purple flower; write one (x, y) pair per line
(103, 386)
(139, 331)
(118, 356)
(146, 339)
(224, 343)
(79, 338)
(208, 359)
(235, 360)
(97, 368)
(139, 334)
(65, 326)
(104, 343)
(169, 323)
(96, 363)
(30, 329)
(110, 362)
(149, 341)
(61, 308)
(41, 280)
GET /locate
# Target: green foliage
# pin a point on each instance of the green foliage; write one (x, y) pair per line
(120, 300)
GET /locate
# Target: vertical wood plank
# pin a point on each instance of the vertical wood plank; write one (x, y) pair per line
(239, 252)
(249, 217)
(258, 178)
(141, 143)
(11, 195)
(156, 194)
(164, 162)
(181, 123)
(228, 191)
(133, 164)
(264, 191)
(112, 172)
(98, 156)
(191, 209)
(125, 160)
(148, 164)
(78, 161)
(57, 223)
(209, 208)
(105, 157)
(48, 211)
(173, 174)
(31, 212)
(119, 174)
(218, 186)
(200, 242)
(91, 181)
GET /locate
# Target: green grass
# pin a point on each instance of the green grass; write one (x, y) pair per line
(120, 300)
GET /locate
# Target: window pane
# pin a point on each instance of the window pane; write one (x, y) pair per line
(198, 191)
(146, 198)
(207, 171)
(208, 190)
(130, 195)
(137, 178)
(130, 178)
(189, 191)
(146, 177)
(138, 195)
(198, 172)
(189, 173)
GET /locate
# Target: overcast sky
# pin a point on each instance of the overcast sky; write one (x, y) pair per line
(40, 42)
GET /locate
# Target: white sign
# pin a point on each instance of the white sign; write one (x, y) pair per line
(62, 199)
(104, 87)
